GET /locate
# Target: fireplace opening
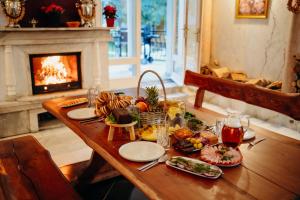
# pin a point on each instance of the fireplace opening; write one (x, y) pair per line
(55, 72)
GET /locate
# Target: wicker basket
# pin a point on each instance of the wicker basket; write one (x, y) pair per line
(153, 118)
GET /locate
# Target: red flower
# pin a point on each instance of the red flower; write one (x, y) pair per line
(52, 8)
(110, 11)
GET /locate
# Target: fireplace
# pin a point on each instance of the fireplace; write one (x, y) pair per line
(55, 72)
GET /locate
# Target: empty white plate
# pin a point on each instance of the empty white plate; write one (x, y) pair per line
(249, 134)
(141, 151)
(82, 113)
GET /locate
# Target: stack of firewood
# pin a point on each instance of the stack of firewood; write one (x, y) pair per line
(296, 81)
(224, 72)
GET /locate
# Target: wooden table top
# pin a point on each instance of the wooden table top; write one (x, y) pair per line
(270, 170)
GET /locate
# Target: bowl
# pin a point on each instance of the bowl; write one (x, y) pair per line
(73, 24)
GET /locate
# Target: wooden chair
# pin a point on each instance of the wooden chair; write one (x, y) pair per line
(285, 103)
(28, 172)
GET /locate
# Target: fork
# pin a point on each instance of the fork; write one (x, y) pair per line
(150, 163)
(253, 143)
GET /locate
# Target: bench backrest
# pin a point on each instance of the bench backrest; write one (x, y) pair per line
(285, 103)
(28, 172)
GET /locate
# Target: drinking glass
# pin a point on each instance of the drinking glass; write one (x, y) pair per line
(163, 138)
(92, 95)
(219, 126)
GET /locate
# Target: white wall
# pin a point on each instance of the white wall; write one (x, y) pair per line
(258, 47)
(255, 46)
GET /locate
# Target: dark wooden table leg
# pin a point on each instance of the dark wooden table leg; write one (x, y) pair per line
(95, 164)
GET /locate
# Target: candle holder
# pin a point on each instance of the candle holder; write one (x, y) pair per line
(86, 11)
(14, 10)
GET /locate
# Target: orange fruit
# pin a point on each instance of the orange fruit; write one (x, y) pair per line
(142, 106)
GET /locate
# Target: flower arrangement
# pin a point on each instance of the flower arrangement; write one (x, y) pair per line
(51, 15)
(52, 8)
(110, 12)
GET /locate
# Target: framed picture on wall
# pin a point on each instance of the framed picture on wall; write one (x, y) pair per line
(252, 9)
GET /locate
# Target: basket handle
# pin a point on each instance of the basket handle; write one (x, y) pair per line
(161, 81)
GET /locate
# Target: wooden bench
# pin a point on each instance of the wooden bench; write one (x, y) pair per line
(28, 172)
(285, 103)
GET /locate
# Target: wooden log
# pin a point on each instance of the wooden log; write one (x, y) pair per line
(285, 103)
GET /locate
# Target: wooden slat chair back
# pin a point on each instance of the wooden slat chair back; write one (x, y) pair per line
(285, 103)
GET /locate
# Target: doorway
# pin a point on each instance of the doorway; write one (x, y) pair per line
(162, 35)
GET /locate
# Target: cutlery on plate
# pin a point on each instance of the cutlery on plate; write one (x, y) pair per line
(255, 142)
(91, 120)
(162, 159)
(146, 165)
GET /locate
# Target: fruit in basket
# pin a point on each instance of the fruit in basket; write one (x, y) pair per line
(142, 106)
(152, 97)
(140, 99)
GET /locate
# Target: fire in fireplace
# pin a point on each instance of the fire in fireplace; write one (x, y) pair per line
(55, 72)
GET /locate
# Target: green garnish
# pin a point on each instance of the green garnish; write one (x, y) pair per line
(188, 115)
(111, 118)
(227, 157)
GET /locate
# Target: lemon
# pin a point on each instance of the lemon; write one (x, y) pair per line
(193, 140)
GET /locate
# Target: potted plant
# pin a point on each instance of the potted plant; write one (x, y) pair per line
(52, 14)
(110, 15)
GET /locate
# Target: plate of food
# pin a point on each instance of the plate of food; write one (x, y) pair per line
(194, 166)
(196, 142)
(73, 102)
(221, 155)
(141, 151)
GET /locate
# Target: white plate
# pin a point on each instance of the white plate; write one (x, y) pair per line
(82, 113)
(141, 151)
(249, 135)
(196, 161)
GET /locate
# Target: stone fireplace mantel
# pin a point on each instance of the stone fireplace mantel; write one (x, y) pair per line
(16, 44)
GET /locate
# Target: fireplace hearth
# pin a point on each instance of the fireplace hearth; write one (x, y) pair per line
(55, 72)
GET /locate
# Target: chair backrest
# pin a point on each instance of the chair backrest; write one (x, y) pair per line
(285, 103)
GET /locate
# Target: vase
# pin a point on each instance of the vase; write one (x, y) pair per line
(110, 22)
(53, 19)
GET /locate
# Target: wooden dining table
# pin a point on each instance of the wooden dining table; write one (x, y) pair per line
(269, 170)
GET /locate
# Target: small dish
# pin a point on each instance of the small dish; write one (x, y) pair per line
(73, 24)
(249, 134)
(82, 113)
